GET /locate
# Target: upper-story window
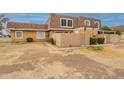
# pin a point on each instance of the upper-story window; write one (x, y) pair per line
(70, 23)
(86, 22)
(63, 22)
(66, 22)
(97, 24)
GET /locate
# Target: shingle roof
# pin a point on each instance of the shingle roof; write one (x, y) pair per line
(26, 25)
(58, 14)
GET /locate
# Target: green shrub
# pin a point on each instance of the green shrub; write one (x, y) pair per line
(118, 32)
(93, 41)
(51, 41)
(29, 39)
(100, 40)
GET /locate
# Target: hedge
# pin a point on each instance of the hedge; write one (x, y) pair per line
(94, 40)
(100, 40)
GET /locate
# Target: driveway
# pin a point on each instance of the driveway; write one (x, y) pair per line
(37, 60)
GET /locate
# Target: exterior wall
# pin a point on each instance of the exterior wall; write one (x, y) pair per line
(51, 34)
(79, 39)
(59, 31)
(71, 39)
(122, 36)
(90, 32)
(110, 38)
(47, 34)
(27, 34)
(114, 38)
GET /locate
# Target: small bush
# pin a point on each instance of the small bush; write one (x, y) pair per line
(51, 41)
(100, 40)
(29, 39)
(95, 48)
(118, 32)
(93, 41)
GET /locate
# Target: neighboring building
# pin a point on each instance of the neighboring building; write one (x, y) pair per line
(119, 28)
(56, 24)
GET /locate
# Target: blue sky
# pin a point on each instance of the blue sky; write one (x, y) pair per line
(110, 19)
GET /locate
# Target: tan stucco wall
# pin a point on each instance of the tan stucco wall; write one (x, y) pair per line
(51, 34)
(90, 32)
(122, 36)
(27, 34)
(110, 38)
(71, 39)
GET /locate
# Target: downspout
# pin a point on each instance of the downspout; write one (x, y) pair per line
(85, 27)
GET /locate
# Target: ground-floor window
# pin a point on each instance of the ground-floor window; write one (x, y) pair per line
(40, 35)
(19, 34)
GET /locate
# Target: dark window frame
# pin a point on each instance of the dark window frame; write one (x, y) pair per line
(66, 22)
(63, 22)
(70, 24)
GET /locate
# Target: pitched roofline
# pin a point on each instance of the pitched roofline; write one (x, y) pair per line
(90, 18)
(75, 16)
(27, 26)
(63, 15)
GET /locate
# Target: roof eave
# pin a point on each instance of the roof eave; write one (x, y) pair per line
(27, 29)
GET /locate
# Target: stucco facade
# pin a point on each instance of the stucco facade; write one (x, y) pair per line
(27, 34)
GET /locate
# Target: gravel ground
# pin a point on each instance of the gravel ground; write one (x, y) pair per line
(37, 60)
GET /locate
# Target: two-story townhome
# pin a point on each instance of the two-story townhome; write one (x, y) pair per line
(57, 23)
(60, 23)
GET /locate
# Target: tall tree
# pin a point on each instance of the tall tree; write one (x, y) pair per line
(3, 20)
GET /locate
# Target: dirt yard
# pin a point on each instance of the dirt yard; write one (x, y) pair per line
(37, 60)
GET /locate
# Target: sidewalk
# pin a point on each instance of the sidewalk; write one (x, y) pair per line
(71, 48)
